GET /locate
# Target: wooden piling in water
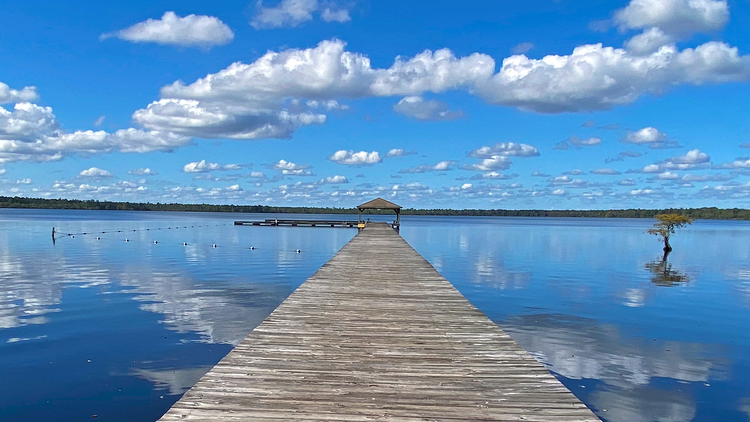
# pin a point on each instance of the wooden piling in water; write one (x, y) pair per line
(377, 333)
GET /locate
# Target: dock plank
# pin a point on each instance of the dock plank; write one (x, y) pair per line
(378, 334)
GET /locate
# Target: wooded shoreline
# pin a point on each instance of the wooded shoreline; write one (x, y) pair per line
(74, 204)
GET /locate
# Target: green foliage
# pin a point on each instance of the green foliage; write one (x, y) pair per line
(692, 213)
(666, 224)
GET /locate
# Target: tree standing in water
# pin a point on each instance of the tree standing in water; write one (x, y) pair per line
(665, 227)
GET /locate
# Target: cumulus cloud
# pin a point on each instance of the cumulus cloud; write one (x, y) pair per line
(492, 163)
(189, 31)
(143, 172)
(693, 159)
(539, 174)
(251, 101)
(612, 76)
(493, 175)
(22, 95)
(333, 180)
(417, 108)
(203, 166)
(426, 168)
(32, 133)
(355, 158)
(292, 13)
(289, 168)
(569, 182)
(578, 142)
(623, 155)
(99, 121)
(505, 149)
(399, 152)
(739, 163)
(522, 48)
(678, 17)
(648, 42)
(650, 136)
(606, 172)
(95, 172)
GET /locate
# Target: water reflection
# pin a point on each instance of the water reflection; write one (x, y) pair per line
(663, 274)
(579, 348)
(645, 404)
(219, 313)
(172, 381)
(122, 329)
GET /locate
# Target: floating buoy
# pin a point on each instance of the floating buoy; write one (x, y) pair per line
(214, 245)
(97, 238)
(72, 235)
(127, 240)
(155, 242)
(252, 248)
(184, 243)
(298, 251)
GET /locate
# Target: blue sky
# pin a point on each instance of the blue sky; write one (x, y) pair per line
(475, 104)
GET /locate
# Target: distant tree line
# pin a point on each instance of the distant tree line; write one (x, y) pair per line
(74, 204)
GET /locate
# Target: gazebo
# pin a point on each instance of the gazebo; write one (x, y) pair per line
(381, 204)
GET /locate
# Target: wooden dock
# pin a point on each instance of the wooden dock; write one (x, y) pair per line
(378, 334)
(299, 223)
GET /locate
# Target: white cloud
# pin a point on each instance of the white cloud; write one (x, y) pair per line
(25, 94)
(650, 136)
(289, 168)
(612, 76)
(399, 152)
(694, 159)
(492, 163)
(627, 182)
(355, 158)
(288, 165)
(426, 168)
(522, 48)
(648, 42)
(251, 101)
(203, 166)
(95, 172)
(295, 12)
(143, 172)
(32, 133)
(667, 175)
(417, 108)
(99, 121)
(234, 188)
(578, 142)
(605, 172)
(493, 175)
(24, 182)
(678, 17)
(333, 14)
(505, 149)
(333, 180)
(190, 31)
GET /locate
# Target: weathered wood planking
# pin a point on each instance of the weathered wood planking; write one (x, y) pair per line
(378, 334)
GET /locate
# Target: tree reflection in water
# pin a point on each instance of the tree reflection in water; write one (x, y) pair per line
(664, 275)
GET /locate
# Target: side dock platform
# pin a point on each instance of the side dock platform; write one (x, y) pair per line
(378, 334)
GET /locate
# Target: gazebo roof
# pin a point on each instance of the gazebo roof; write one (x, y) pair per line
(379, 204)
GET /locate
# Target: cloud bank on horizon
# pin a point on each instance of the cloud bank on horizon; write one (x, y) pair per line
(432, 117)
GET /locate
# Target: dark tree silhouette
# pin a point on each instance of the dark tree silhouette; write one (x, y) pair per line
(662, 273)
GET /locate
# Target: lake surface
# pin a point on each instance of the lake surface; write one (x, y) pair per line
(121, 329)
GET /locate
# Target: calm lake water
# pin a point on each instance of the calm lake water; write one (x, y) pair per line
(121, 329)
